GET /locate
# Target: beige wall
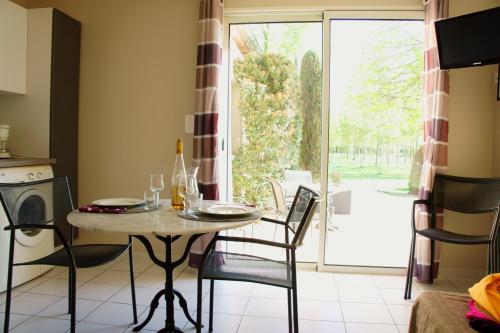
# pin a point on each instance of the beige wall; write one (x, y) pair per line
(137, 83)
(496, 133)
(314, 4)
(13, 41)
(471, 139)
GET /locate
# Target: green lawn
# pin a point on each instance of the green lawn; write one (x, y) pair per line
(352, 169)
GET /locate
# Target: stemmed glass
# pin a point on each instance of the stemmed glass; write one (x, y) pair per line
(156, 184)
(191, 187)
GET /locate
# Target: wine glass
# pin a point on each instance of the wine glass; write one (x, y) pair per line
(191, 187)
(156, 185)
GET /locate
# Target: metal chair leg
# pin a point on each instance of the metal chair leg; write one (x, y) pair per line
(8, 298)
(290, 315)
(132, 283)
(9, 283)
(211, 315)
(490, 258)
(433, 248)
(70, 290)
(409, 272)
(294, 287)
(295, 312)
(198, 303)
(73, 302)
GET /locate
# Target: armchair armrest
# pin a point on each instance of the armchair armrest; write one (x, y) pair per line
(58, 233)
(257, 241)
(268, 219)
(29, 226)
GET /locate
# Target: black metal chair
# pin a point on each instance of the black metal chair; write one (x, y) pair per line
(462, 195)
(216, 265)
(35, 215)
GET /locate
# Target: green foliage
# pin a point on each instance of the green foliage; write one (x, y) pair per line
(290, 40)
(416, 171)
(269, 144)
(310, 105)
(385, 104)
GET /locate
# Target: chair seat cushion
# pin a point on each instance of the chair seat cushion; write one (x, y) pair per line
(452, 237)
(241, 267)
(85, 255)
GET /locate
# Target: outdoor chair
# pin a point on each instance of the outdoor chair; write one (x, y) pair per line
(279, 198)
(43, 217)
(465, 196)
(217, 265)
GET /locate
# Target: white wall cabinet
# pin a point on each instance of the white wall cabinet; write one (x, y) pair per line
(13, 47)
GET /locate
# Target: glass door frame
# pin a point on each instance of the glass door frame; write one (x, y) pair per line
(245, 17)
(263, 16)
(328, 17)
(225, 140)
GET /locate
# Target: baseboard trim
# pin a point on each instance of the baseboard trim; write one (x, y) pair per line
(461, 273)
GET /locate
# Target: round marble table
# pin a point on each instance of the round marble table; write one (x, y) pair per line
(167, 226)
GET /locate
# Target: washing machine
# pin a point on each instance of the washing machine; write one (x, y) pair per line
(29, 244)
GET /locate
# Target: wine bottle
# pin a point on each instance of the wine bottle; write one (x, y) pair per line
(179, 180)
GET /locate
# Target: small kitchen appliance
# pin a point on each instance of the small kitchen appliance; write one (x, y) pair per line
(4, 137)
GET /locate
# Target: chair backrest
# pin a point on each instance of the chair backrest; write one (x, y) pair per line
(303, 208)
(298, 176)
(38, 202)
(279, 197)
(466, 195)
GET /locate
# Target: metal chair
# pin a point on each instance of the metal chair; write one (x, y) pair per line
(34, 217)
(462, 195)
(217, 265)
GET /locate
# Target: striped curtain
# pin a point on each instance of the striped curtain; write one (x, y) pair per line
(436, 88)
(208, 67)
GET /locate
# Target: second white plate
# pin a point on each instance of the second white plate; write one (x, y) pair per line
(227, 209)
(118, 202)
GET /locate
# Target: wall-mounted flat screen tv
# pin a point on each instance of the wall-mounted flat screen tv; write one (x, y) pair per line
(469, 40)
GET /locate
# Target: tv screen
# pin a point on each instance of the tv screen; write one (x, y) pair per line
(469, 40)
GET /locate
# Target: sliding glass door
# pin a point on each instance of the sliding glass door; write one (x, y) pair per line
(335, 105)
(374, 138)
(275, 112)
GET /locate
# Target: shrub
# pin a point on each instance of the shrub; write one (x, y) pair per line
(270, 122)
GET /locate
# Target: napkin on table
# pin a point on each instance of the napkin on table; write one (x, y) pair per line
(98, 209)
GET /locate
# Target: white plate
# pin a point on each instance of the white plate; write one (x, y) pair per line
(227, 209)
(118, 202)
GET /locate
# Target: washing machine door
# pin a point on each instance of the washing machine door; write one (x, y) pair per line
(30, 208)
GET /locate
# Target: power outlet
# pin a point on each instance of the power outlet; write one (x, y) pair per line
(189, 124)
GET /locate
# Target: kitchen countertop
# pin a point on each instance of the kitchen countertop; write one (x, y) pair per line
(18, 162)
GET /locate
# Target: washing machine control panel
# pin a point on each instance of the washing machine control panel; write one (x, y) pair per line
(25, 174)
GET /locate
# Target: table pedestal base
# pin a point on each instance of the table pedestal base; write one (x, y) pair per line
(169, 292)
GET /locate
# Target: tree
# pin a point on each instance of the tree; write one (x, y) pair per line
(268, 115)
(386, 102)
(310, 105)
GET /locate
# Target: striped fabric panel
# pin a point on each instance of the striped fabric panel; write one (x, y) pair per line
(207, 76)
(206, 149)
(209, 54)
(210, 30)
(436, 128)
(208, 170)
(209, 59)
(207, 100)
(211, 10)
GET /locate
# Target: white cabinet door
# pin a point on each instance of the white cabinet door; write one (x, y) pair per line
(13, 46)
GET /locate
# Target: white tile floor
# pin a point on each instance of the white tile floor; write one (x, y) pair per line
(328, 302)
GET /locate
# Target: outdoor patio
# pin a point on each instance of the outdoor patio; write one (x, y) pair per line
(375, 233)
